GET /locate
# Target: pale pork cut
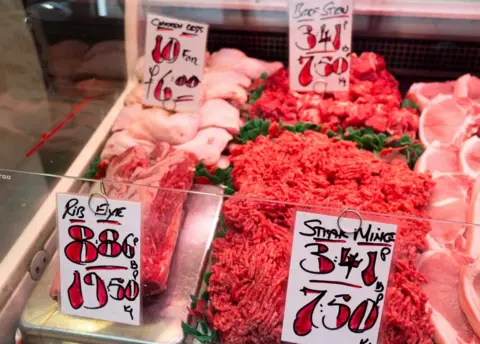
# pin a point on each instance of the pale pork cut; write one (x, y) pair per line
(449, 201)
(139, 175)
(422, 93)
(468, 86)
(442, 269)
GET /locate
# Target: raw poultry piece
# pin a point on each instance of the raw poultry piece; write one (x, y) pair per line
(442, 269)
(119, 142)
(233, 59)
(228, 91)
(208, 145)
(158, 125)
(139, 175)
(220, 114)
(226, 76)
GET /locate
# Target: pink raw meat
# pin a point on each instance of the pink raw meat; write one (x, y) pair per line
(442, 269)
(220, 114)
(161, 209)
(449, 200)
(208, 145)
(120, 141)
(422, 93)
(468, 86)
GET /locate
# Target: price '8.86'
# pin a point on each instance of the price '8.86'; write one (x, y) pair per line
(82, 250)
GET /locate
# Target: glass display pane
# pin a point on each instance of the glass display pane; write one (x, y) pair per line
(400, 144)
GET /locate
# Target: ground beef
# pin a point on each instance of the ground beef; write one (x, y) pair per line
(249, 279)
(373, 100)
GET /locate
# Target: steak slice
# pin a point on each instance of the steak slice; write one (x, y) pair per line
(137, 175)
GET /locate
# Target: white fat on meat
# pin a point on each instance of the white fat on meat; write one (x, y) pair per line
(120, 141)
(158, 125)
(208, 145)
(220, 114)
(127, 117)
(135, 96)
(442, 269)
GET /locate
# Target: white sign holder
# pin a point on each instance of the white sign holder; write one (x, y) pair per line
(320, 40)
(100, 257)
(337, 280)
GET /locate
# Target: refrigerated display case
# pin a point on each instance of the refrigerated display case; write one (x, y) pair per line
(71, 105)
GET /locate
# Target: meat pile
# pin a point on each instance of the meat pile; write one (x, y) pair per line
(467, 86)
(228, 74)
(137, 175)
(372, 101)
(449, 123)
(248, 284)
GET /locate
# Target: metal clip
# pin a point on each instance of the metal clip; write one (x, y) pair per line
(348, 210)
(104, 196)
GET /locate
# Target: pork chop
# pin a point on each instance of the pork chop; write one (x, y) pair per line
(442, 269)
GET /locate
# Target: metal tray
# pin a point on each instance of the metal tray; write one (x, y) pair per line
(42, 321)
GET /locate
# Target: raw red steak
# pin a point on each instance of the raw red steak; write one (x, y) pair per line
(139, 174)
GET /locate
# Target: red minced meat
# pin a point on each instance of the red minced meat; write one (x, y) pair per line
(249, 277)
(373, 100)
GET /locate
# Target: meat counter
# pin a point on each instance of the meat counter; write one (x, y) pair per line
(422, 51)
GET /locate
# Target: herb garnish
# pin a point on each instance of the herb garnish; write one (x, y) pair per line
(220, 177)
(366, 138)
(92, 170)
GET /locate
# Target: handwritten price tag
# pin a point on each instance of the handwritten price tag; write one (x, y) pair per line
(337, 281)
(175, 59)
(320, 45)
(100, 258)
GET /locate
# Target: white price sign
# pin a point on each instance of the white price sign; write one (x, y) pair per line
(174, 63)
(100, 250)
(337, 280)
(320, 39)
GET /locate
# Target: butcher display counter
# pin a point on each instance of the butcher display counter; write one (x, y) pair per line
(400, 145)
